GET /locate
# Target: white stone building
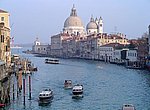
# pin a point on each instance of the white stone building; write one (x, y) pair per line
(39, 48)
(132, 55)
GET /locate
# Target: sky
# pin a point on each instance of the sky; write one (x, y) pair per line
(30, 19)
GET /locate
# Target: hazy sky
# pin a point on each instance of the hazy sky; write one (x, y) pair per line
(42, 18)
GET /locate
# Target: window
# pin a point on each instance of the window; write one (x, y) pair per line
(2, 18)
(6, 49)
(2, 38)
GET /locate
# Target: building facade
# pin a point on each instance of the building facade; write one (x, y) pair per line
(74, 41)
(5, 57)
(39, 48)
(5, 53)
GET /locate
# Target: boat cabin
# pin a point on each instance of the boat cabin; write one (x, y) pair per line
(128, 107)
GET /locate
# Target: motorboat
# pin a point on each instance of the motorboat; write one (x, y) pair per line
(68, 84)
(45, 96)
(128, 107)
(77, 91)
(52, 61)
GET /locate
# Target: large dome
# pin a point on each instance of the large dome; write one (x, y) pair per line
(73, 24)
(73, 21)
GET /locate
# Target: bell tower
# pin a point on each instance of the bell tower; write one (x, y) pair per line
(100, 25)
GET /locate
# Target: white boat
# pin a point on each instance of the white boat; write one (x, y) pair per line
(52, 61)
(128, 107)
(45, 96)
(77, 91)
(68, 84)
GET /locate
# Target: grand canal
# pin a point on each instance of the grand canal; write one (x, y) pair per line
(106, 86)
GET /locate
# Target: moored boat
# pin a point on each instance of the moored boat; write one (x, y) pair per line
(77, 91)
(52, 61)
(128, 107)
(68, 84)
(45, 96)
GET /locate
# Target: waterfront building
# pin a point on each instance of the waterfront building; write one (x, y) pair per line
(115, 52)
(106, 52)
(141, 44)
(5, 57)
(4, 83)
(39, 48)
(125, 54)
(132, 55)
(5, 53)
(74, 41)
(56, 44)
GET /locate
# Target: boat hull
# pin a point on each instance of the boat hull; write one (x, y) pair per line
(67, 87)
(77, 93)
(52, 62)
(77, 96)
(45, 100)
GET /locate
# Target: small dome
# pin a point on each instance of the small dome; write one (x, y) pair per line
(73, 21)
(91, 25)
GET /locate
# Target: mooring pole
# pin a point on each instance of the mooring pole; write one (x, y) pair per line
(17, 87)
(24, 91)
(13, 92)
(29, 87)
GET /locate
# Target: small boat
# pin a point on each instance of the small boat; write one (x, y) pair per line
(52, 61)
(128, 107)
(68, 84)
(77, 91)
(45, 96)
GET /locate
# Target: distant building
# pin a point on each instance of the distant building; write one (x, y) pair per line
(56, 45)
(74, 41)
(149, 39)
(114, 52)
(39, 48)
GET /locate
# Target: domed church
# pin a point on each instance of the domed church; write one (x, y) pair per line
(95, 26)
(73, 24)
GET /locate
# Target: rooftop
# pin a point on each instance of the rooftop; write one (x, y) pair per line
(2, 11)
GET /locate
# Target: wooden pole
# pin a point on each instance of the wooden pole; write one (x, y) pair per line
(29, 87)
(20, 80)
(23, 91)
(17, 87)
(13, 93)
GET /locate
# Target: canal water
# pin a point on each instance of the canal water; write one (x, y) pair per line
(106, 86)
